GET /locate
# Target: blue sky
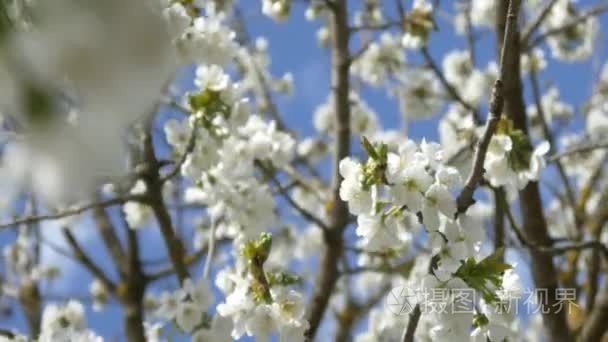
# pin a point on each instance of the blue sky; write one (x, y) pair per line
(293, 48)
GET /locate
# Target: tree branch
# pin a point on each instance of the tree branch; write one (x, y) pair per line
(447, 85)
(534, 224)
(338, 219)
(73, 211)
(554, 250)
(87, 262)
(582, 148)
(412, 323)
(111, 241)
(595, 325)
(593, 11)
(535, 24)
(154, 198)
(549, 136)
(284, 192)
(465, 199)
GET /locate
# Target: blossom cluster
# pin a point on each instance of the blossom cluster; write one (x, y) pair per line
(392, 195)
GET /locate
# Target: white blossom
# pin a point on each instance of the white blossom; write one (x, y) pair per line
(351, 190)
(137, 214)
(380, 60)
(276, 9)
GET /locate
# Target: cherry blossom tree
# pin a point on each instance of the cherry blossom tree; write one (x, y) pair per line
(197, 212)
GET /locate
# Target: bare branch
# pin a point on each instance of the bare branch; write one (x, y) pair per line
(465, 199)
(549, 136)
(543, 269)
(189, 260)
(73, 211)
(111, 241)
(412, 323)
(87, 262)
(178, 165)
(469, 32)
(595, 325)
(555, 250)
(284, 192)
(535, 24)
(582, 148)
(447, 85)
(593, 11)
(340, 82)
(154, 198)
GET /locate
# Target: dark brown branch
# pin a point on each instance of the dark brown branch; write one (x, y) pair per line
(593, 274)
(133, 297)
(154, 198)
(499, 218)
(412, 323)
(535, 228)
(465, 199)
(595, 325)
(327, 274)
(29, 289)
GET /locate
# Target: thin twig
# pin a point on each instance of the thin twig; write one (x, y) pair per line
(549, 136)
(582, 148)
(87, 262)
(154, 198)
(555, 250)
(465, 199)
(73, 211)
(535, 24)
(284, 192)
(593, 11)
(469, 32)
(447, 85)
(189, 260)
(178, 165)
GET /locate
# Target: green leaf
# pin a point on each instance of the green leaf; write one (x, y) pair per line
(484, 276)
(369, 148)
